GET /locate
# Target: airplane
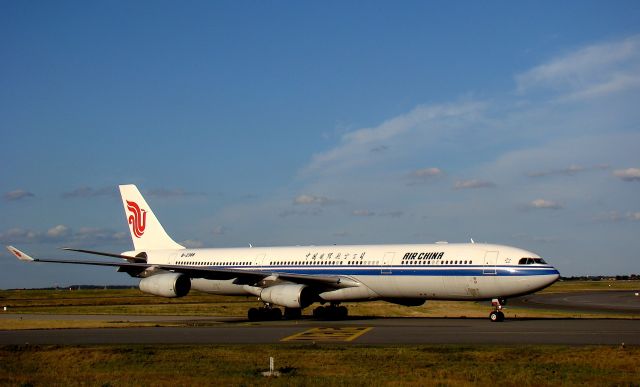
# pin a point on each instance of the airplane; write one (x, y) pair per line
(295, 277)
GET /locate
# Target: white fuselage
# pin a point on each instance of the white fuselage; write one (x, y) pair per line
(470, 271)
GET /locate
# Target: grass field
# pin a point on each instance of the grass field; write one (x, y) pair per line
(132, 301)
(329, 365)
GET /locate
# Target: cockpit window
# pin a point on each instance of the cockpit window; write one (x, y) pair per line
(531, 261)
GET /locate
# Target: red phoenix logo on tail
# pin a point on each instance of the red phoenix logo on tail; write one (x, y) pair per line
(137, 219)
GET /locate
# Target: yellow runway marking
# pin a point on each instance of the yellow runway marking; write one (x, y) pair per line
(329, 334)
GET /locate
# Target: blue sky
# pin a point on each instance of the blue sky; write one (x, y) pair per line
(330, 122)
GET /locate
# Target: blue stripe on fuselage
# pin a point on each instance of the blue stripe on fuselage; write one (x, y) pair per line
(439, 271)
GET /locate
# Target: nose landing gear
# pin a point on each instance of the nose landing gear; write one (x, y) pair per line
(496, 315)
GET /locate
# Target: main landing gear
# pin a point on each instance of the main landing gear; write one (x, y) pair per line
(496, 315)
(266, 313)
(269, 313)
(332, 312)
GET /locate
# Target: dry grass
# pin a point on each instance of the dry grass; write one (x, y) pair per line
(19, 324)
(319, 365)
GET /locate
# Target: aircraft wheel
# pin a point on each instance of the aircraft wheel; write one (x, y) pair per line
(319, 313)
(343, 312)
(254, 314)
(292, 313)
(275, 314)
(496, 316)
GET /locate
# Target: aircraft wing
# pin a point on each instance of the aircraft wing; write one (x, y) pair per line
(137, 258)
(242, 276)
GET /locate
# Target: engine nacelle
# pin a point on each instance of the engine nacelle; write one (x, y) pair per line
(166, 285)
(288, 295)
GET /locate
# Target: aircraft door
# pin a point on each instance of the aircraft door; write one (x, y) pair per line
(260, 259)
(173, 257)
(490, 261)
(387, 261)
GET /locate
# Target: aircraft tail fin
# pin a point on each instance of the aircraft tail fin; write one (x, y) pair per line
(146, 231)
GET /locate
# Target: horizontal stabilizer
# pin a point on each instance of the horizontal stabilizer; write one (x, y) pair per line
(19, 254)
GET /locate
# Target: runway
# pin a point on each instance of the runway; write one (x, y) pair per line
(361, 330)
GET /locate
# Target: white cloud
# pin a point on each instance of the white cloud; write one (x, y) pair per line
(544, 204)
(311, 199)
(568, 171)
(18, 194)
(93, 235)
(424, 175)
(59, 231)
(615, 216)
(15, 235)
(362, 213)
(354, 149)
(392, 214)
(593, 71)
(629, 174)
(426, 172)
(305, 212)
(63, 234)
(616, 83)
(471, 184)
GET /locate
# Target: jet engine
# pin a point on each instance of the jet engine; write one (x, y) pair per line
(166, 285)
(288, 295)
